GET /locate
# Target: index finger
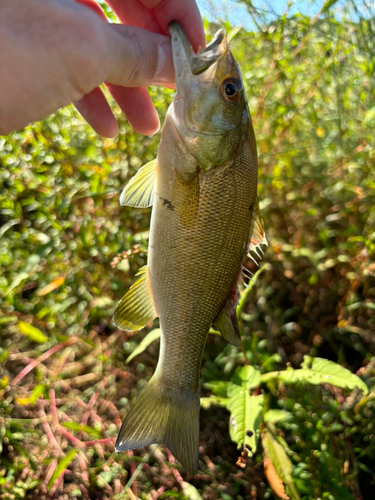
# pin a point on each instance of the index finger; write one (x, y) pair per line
(163, 12)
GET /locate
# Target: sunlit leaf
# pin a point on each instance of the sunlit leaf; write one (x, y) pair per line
(234, 32)
(213, 400)
(24, 273)
(318, 371)
(51, 286)
(37, 391)
(33, 333)
(273, 478)
(61, 466)
(246, 410)
(277, 416)
(149, 338)
(190, 491)
(328, 4)
(281, 463)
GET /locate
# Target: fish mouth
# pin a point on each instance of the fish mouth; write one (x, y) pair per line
(190, 66)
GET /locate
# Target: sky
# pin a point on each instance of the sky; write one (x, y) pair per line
(238, 15)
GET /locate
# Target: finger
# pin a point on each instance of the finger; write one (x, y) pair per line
(96, 111)
(185, 13)
(171, 86)
(134, 13)
(156, 15)
(137, 105)
(138, 57)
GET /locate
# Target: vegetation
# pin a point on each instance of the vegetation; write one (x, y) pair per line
(291, 411)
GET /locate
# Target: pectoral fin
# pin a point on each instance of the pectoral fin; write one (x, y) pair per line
(140, 190)
(136, 309)
(227, 324)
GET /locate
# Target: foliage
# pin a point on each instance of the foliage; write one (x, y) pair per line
(68, 252)
(246, 409)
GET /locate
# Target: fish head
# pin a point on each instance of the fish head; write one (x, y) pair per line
(209, 110)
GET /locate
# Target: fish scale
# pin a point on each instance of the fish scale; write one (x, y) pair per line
(205, 217)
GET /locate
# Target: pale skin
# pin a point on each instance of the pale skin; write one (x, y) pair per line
(55, 52)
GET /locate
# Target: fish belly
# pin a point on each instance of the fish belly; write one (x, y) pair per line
(198, 237)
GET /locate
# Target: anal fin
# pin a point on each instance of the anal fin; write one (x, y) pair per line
(227, 325)
(136, 309)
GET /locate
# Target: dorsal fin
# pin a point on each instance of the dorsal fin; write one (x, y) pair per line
(257, 235)
(136, 309)
(140, 190)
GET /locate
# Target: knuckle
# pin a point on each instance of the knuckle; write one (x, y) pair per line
(88, 51)
(140, 68)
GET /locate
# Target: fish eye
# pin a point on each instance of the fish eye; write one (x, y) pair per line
(231, 90)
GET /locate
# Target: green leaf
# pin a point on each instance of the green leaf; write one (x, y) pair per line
(319, 371)
(30, 266)
(32, 399)
(190, 491)
(328, 4)
(369, 116)
(246, 377)
(247, 291)
(234, 32)
(218, 387)
(82, 428)
(8, 225)
(33, 333)
(2, 434)
(213, 400)
(7, 319)
(277, 416)
(246, 411)
(150, 337)
(62, 465)
(280, 460)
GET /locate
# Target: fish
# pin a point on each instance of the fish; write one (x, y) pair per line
(205, 218)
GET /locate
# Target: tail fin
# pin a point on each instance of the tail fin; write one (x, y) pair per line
(164, 415)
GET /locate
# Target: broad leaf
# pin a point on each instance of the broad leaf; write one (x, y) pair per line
(246, 411)
(245, 376)
(318, 371)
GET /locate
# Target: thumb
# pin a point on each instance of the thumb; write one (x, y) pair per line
(139, 57)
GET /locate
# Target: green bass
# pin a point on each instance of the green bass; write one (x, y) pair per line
(205, 219)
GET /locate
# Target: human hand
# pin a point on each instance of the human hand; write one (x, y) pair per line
(154, 16)
(54, 52)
